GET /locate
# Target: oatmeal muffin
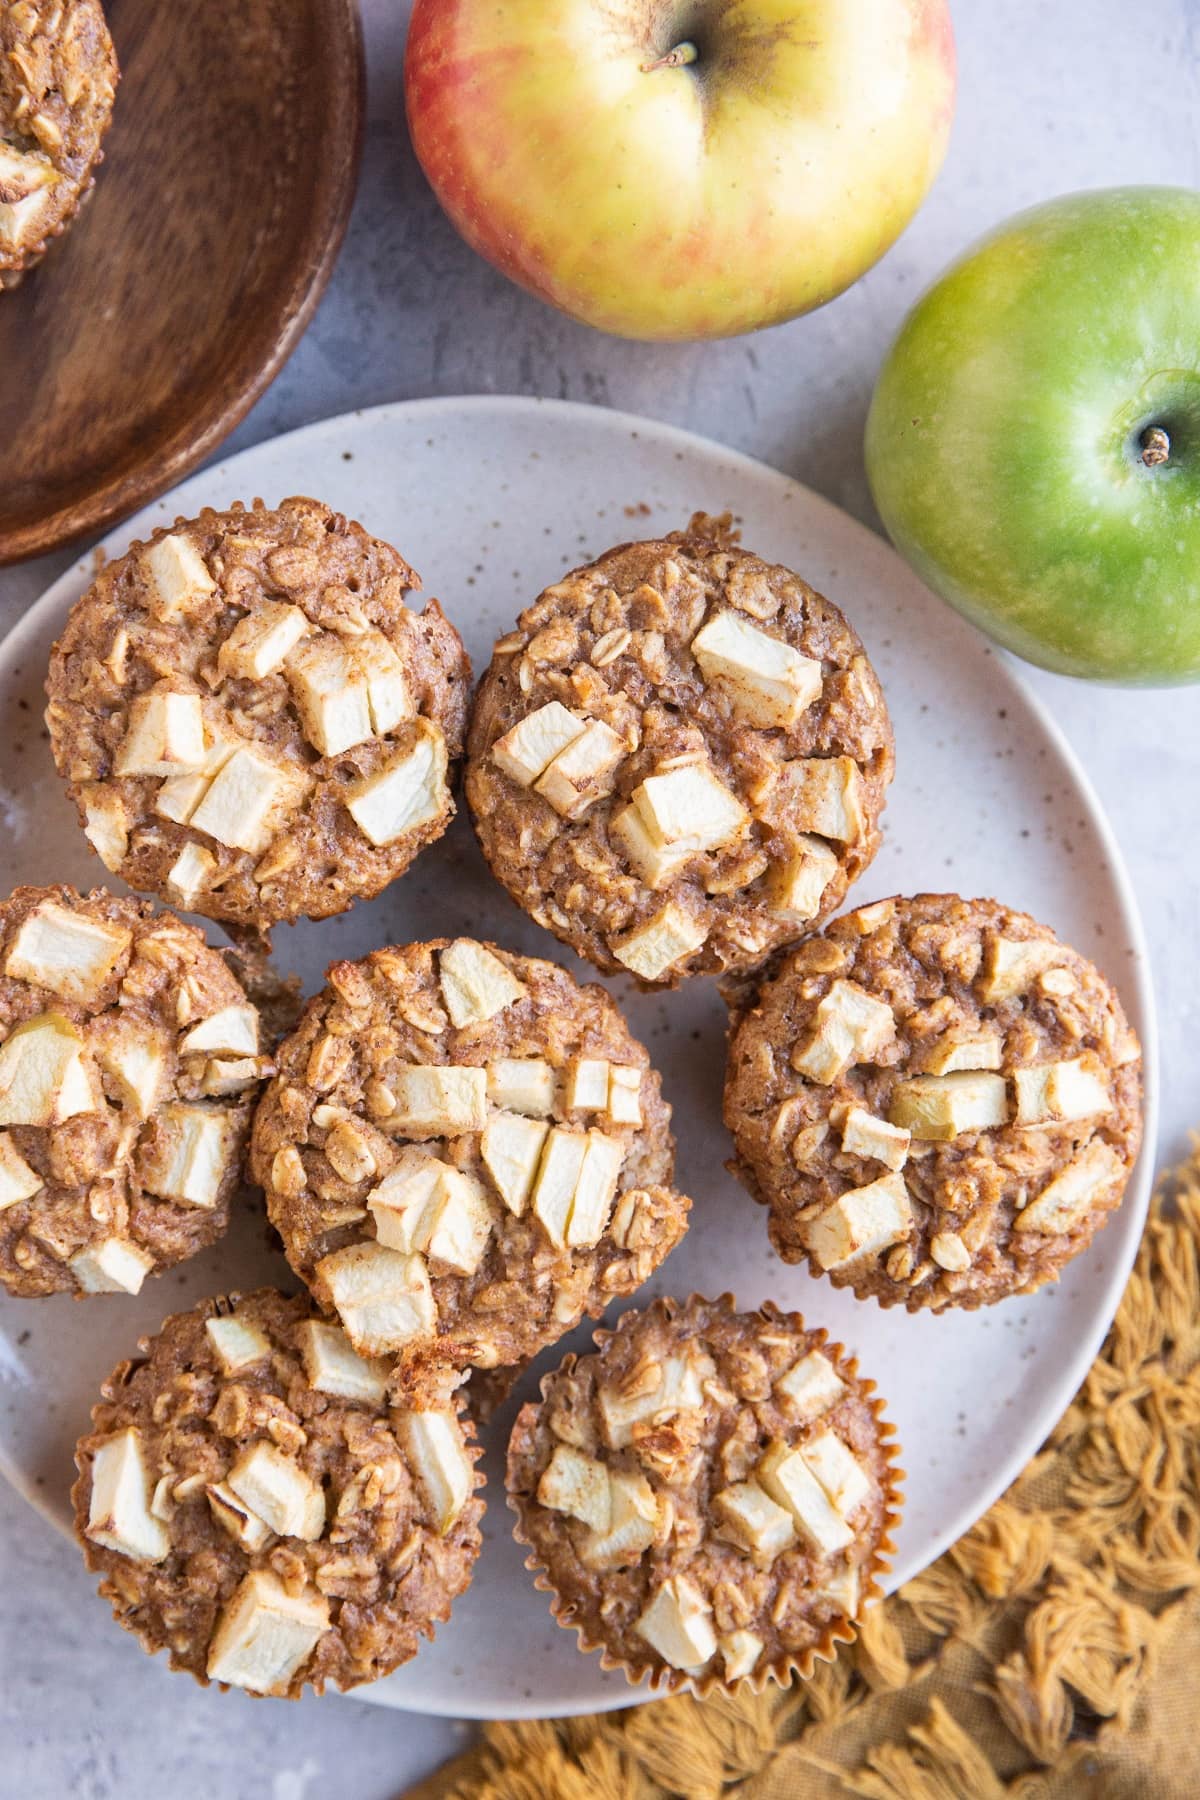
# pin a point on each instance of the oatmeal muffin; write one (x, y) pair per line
(58, 78)
(464, 1152)
(257, 1509)
(252, 723)
(710, 1498)
(678, 760)
(939, 1102)
(129, 1061)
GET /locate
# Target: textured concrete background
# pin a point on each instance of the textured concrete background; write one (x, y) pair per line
(1079, 93)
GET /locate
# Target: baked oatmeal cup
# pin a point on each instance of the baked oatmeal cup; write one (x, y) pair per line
(257, 1509)
(678, 759)
(710, 1498)
(129, 1060)
(464, 1152)
(58, 80)
(938, 1101)
(251, 721)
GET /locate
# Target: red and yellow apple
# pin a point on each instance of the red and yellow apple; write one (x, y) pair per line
(681, 168)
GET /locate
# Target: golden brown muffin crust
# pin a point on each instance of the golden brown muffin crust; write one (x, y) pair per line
(379, 1559)
(250, 719)
(775, 780)
(1006, 1056)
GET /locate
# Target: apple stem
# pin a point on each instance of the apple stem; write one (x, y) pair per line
(1156, 446)
(678, 58)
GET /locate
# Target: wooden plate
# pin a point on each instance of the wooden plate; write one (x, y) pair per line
(195, 265)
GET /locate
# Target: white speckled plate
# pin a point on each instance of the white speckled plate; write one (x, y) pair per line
(491, 500)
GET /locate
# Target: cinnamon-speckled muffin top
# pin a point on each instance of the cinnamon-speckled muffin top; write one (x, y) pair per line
(938, 1101)
(250, 719)
(58, 80)
(710, 1497)
(464, 1152)
(130, 1057)
(257, 1509)
(678, 759)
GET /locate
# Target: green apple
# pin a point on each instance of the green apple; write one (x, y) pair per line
(680, 168)
(1033, 444)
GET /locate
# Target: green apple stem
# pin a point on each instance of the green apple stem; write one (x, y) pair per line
(678, 58)
(1156, 446)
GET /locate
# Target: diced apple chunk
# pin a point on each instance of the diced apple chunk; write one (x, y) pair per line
(387, 690)
(582, 773)
(178, 798)
(680, 1388)
(475, 984)
(177, 575)
(678, 1625)
(191, 874)
(796, 887)
(689, 809)
(68, 953)
(822, 795)
(461, 1223)
(850, 1027)
(260, 643)
(405, 793)
(624, 1094)
(595, 1190)
(839, 1472)
(266, 1634)
(865, 1135)
(557, 1178)
(523, 1084)
(811, 1386)
(660, 943)
(106, 826)
(751, 1519)
(248, 800)
(861, 1223)
(21, 220)
(193, 1152)
(404, 1202)
(1064, 1202)
(233, 1031)
(114, 1266)
(790, 1482)
(652, 863)
(843, 1591)
(119, 1515)
(577, 1485)
(239, 1520)
(1049, 1092)
(17, 1180)
(43, 1076)
(938, 1108)
(633, 1521)
(587, 1085)
(511, 1148)
(382, 1297)
(238, 1344)
(1011, 965)
(273, 1485)
(165, 735)
(333, 1366)
(23, 172)
(983, 1050)
(330, 691)
(740, 1651)
(436, 1100)
(769, 683)
(534, 742)
(435, 1448)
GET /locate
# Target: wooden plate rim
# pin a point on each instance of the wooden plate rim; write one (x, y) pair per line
(259, 361)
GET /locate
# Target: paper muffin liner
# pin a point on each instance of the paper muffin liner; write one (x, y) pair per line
(782, 1669)
(125, 1611)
